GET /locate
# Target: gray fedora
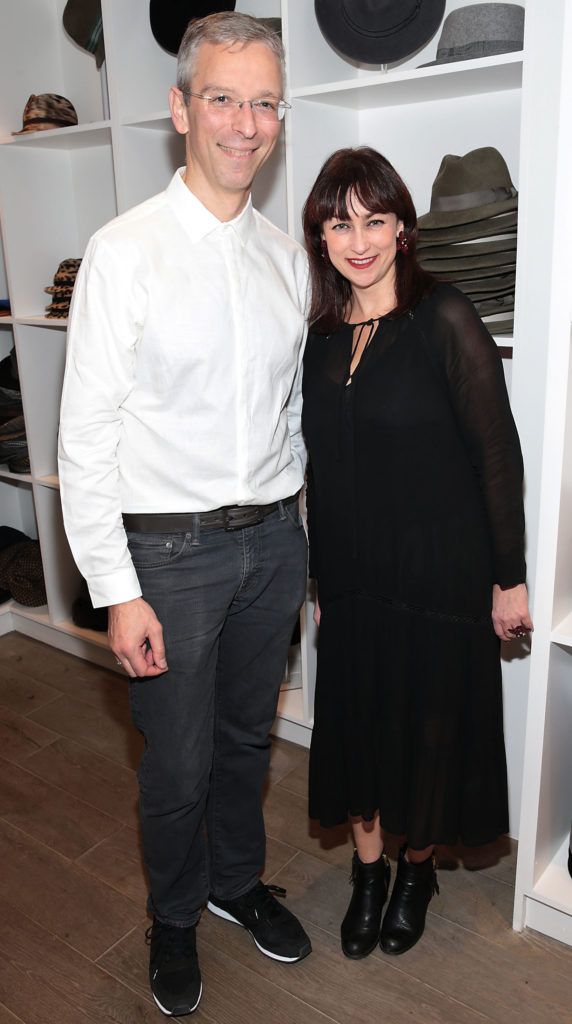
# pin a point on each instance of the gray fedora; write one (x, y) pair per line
(480, 30)
(470, 187)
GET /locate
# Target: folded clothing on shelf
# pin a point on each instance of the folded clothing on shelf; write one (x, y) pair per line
(61, 289)
(5, 309)
(21, 571)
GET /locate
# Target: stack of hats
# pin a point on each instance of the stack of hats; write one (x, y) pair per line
(21, 572)
(468, 238)
(13, 441)
(62, 288)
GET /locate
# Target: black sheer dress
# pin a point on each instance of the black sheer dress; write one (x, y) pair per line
(415, 510)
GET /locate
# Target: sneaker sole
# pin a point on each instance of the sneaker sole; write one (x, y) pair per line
(176, 1012)
(274, 956)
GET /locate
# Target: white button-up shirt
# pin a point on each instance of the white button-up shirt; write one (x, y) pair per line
(182, 390)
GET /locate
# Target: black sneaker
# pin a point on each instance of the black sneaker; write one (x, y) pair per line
(276, 931)
(174, 968)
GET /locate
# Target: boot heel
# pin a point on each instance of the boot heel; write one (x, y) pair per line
(361, 925)
(404, 921)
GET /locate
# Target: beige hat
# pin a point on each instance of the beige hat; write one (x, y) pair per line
(48, 110)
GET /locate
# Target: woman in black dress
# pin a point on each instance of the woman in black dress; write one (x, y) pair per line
(416, 544)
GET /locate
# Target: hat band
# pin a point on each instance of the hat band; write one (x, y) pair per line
(468, 200)
(478, 48)
(47, 119)
(380, 33)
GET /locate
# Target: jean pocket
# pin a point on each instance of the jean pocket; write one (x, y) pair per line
(293, 513)
(156, 550)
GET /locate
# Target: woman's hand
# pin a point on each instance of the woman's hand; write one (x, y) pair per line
(511, 617)
(317, 612)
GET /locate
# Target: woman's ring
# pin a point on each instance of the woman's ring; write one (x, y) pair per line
(119, 662)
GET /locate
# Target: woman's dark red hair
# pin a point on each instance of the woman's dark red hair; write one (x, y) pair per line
(367, 175)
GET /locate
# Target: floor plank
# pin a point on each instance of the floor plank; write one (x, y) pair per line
(49, 814)
(118, 861)
(20, 738)
(61, 896)
(22, 693)
(103, 783)
(43, 979)
(108, 733)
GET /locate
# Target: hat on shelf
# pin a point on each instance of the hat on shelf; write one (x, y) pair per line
(62, 289)
(14, 445)
(468, 188)
(378, 31)
(85, 615)
(21, 572)
(9, 378)
(83, 23)
(169, 18)
(480, 30)
(491, 253)
(45, 111)
(5, 309)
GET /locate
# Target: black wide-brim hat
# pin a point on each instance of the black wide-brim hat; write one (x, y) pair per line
(378, 31)
(169, 18)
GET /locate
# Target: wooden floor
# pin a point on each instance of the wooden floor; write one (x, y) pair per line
(72, 890)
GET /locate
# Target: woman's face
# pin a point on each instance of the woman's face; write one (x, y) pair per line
(363, 246)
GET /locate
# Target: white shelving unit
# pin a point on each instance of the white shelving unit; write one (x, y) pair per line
(57, 187)
(542, 389)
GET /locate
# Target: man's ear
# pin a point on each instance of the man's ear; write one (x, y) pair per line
(179, 112)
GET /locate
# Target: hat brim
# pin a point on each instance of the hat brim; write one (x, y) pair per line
(485, 228)
(169, 19)
(448, 218)
(488, 48)
(469, 250)
(500, 326)
(450, 270)
(377, 46)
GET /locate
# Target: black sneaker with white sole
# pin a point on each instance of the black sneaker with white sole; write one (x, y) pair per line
(275, 930)
(174, 968)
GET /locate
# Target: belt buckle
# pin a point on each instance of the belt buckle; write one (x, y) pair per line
(238, 518)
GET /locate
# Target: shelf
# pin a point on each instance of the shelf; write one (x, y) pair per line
(161, 121)
(442, 82)
(9, 320)
(554, 886)
(77, 136)
(39, 614)
(562, 633)
(24, 478)
(51, 480)
(40, 321)
(91, 635)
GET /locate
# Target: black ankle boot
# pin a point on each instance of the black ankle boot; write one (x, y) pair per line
(404, 921)
(360, 926)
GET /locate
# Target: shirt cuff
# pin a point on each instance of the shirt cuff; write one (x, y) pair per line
(122, 585)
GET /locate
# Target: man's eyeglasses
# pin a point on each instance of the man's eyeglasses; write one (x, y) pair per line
(222, 105)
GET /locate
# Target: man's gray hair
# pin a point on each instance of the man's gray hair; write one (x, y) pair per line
(227, 27)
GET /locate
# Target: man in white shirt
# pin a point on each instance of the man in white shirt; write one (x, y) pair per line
(181, 459)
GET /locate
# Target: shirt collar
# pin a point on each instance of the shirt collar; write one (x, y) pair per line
(200, 222)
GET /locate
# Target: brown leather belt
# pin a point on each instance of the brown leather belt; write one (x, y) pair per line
(230, 517)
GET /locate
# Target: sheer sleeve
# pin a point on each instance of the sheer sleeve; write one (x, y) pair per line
(478, 395)
(310, 512)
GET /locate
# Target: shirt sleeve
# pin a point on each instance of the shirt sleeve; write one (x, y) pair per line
(479, 398)
(294, 409)
(105, 318)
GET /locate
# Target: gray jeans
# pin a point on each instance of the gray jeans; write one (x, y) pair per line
(228, 603)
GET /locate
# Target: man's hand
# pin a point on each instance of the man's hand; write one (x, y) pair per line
(511, 617)
(136, 638)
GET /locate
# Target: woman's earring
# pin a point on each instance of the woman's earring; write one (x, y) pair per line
(324, 249)
(402, 243)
